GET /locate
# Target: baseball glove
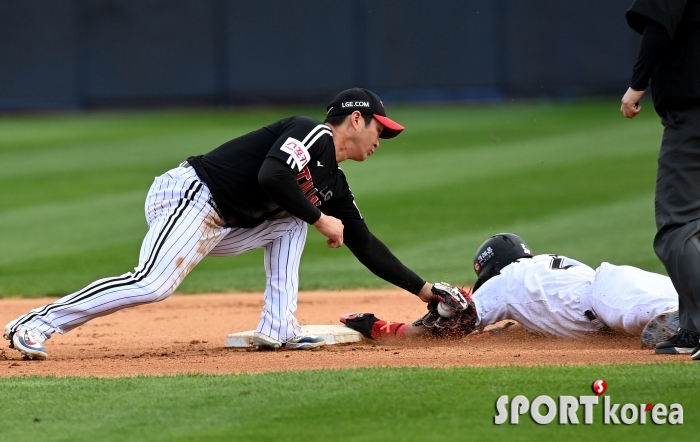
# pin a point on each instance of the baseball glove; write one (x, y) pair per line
(462, 322)
(451, 298)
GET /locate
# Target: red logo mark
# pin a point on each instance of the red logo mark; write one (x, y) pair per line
(386, 328)
(298, 151)
(599, 387)
(648, 407)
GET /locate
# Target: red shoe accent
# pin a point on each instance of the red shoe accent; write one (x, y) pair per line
(346, 316)
(401, 331)
(382, 329)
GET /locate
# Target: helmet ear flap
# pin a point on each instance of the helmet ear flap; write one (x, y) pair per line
(496, 253)
(486, 275)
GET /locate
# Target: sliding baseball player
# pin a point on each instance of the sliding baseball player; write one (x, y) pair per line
(549, 295)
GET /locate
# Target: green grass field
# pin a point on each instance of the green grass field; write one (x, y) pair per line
(350, 405)
(572, 178)
(575, 179)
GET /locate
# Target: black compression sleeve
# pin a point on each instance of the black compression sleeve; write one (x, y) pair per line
(655, 42)
(377, 257)
(279, 182)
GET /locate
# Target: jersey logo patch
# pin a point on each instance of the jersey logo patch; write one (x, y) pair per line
(297, 153)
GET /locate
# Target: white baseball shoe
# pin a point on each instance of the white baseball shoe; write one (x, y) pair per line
(660, 328)
(264, 342)
(29, 342)
(305, 341)
(6, 334)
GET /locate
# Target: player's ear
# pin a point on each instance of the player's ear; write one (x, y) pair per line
(356, 119)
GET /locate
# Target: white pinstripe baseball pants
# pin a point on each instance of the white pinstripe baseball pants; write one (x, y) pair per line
(183, 229)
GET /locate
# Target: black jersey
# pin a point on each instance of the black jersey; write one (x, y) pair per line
(289, 167)
(676, 77)
(304, 144)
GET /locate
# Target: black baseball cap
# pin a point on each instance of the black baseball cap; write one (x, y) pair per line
(367, 103)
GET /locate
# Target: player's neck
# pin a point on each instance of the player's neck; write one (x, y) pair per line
(340, 143)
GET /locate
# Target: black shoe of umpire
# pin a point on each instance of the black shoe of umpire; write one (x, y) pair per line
(361, 322)
(682, 342)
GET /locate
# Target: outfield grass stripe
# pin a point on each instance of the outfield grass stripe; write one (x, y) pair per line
(46, 132)
(500, 117)
(156, 150)
(532, 193)
(50, 188)
(60, 228)
(450, 164)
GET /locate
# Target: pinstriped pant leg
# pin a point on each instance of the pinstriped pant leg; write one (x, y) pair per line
(183, 228)
(283, 241)
(282, 258)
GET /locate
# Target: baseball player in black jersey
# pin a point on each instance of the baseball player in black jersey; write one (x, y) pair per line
(258, 190)
(669, 56)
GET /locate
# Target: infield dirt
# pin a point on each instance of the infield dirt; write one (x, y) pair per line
(186, 334)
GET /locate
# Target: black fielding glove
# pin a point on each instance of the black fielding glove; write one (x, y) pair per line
(454, 300)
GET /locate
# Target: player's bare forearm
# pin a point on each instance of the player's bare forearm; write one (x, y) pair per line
(426, 293)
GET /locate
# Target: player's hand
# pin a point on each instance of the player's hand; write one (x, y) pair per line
(331, 228)
(426, 293)
(451, 299)
(630, 103)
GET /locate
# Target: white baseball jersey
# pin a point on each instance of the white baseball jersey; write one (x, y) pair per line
(549, 294)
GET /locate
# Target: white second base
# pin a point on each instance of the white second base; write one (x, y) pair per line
(332, 334)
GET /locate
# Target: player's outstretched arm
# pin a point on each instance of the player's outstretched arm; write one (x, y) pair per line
(461, 310)
(378, 259)
(372, 327)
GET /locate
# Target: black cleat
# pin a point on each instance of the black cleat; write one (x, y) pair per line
(682, 342)
(360, 322)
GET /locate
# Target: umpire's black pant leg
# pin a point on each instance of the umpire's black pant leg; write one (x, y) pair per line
(677, 206)
(679, 251)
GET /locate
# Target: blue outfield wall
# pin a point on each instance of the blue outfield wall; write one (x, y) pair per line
(96, 53)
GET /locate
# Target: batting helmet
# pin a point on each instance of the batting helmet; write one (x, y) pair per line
(496, 253)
